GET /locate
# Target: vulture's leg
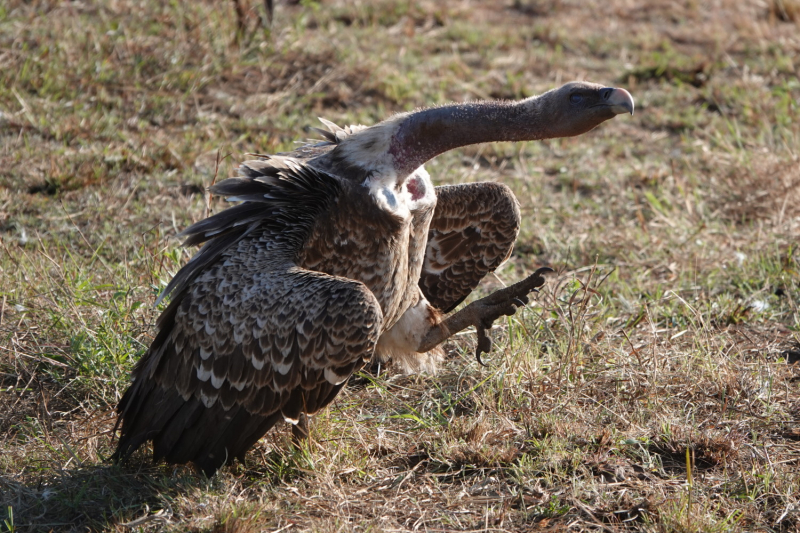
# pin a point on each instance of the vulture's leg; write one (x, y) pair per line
(300, 430)
(268, 7)
(241, 24)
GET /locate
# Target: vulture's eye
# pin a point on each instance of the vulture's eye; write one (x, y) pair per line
(575, 98)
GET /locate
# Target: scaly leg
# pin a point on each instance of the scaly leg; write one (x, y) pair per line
(241, 24)
(300, 430)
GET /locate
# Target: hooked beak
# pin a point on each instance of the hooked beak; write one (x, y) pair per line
(618, 100)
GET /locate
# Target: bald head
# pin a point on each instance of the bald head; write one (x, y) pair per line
(577, 107)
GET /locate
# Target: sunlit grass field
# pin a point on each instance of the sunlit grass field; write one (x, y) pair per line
(654, 384)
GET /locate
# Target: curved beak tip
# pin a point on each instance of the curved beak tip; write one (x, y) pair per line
(621, 101)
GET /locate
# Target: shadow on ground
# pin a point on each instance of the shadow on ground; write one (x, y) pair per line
(92, 497)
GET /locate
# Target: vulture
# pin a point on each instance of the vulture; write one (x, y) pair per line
(335, 254)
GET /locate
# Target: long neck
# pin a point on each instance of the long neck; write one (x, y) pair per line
(424, 134)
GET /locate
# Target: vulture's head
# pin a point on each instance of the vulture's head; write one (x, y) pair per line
(579, 106)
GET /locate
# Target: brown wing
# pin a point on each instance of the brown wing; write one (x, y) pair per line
(472, 233)
(249, 338)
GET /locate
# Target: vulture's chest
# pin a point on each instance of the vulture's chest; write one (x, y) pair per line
(377, 235)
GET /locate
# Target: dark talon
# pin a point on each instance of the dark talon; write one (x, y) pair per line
(484, 344)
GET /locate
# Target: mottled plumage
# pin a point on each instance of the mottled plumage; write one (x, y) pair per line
(338, 252)
(472, 233)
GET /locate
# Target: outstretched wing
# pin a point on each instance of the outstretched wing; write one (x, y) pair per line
(472, 233)
(249, 338)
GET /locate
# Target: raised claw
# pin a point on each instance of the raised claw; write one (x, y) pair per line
(481, 313)
(484, 344)
(517, 296)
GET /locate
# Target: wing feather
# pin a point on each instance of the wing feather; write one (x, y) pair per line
(472, 233)
(249, 337)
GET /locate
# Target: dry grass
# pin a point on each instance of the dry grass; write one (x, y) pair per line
(655, 386)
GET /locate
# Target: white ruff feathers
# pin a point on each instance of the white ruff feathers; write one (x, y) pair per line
(400, 342)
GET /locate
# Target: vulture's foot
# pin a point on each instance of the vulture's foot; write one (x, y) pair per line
(482, 313)
(504, 302)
